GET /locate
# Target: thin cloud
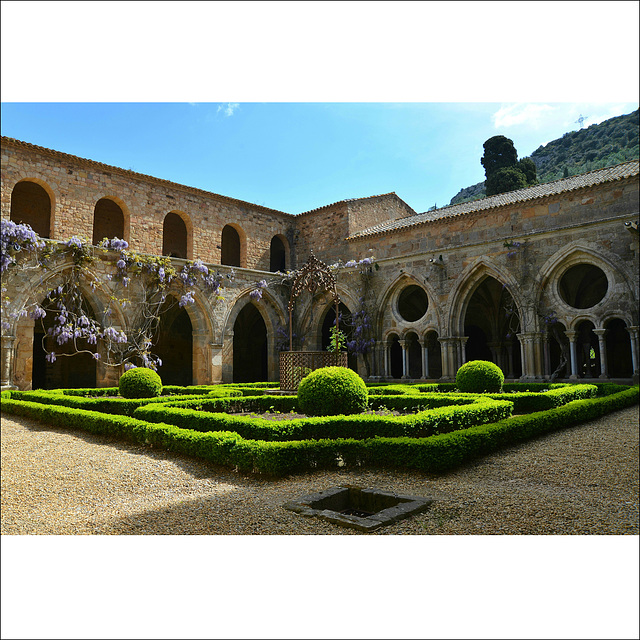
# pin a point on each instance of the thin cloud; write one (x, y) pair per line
(513, 115)
(228, 109)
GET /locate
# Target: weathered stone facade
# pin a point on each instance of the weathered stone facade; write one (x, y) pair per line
(473, 280)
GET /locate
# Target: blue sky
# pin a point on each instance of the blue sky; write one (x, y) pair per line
(297, 156)
(295, 105)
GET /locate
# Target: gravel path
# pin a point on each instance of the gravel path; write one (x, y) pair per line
(580, 481)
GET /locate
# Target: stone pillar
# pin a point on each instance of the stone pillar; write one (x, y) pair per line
(448, 359)
(462, 350)
(8, 343)
(425, 359)
(547, 355)
(509, 359)
(201, 359)
(633, 332)
(602, 346)
(387, 360)
(494, 347)
(530, 343)
(574, 356)
(405, 358)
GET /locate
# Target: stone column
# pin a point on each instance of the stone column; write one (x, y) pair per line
(530, 355)
(547, 355)
(602, 346)
(494, 347)
(8, 343)
(387, 360)
(448, 358)
(425, 359)
(509, 346)
(405, 358)
(574, 356)
(633, 332)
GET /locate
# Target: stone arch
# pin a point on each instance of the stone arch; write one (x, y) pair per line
(467, 282)
(414, 353)
(177, 235)
(618, 347)
(279, 254)
(576, 253)
(388, 304)
(433, 364)
(233, 244)
(111, 219)
(33, 202)
(272, 315)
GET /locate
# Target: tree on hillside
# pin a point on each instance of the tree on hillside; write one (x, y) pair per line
(503, 170)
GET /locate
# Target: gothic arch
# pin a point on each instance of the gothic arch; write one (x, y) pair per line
(467, 283)
(388, 300)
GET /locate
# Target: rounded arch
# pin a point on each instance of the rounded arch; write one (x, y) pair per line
(233, 242)
(618, 348)
(177, 235)
(279, 253)
(111, 219)
(33, 202)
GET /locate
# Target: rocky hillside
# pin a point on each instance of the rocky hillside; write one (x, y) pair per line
(596, 147)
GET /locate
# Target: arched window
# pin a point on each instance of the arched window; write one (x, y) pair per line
(30, 204)
(108, 221)
(174, 236)
(278, 255)
(230, 247)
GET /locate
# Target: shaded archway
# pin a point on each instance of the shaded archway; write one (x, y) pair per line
(231, 247)
(174, 344)
(71, 369)
(277, 255)
(250, 357)
(108, 220)
(174, 236)
(587, 350)
(414, 353)
(345, 326)
(618, 349)
(395, 357)
(491, 325)
(434, 355)
(31, 204)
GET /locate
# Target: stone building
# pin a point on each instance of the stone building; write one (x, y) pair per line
(525, 279)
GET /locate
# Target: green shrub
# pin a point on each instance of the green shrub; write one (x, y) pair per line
(332, 391)
(140, 383)
(480, 376)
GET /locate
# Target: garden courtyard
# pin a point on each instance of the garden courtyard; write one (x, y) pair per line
(55, 481)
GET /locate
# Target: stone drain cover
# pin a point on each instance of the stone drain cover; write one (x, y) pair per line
(362, 509)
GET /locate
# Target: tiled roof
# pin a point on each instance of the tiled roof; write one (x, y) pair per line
(590, 179)
(12, 142)
(333, 204)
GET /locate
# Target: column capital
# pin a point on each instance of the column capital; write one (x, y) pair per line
(571, 335)
(600, 333)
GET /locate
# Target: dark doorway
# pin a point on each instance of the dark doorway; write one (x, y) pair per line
(174, 344)
(174, 236)
(618, 345)
(278, 255)
(250, 361)
(230, 247)
(395, 358)
(108, 221)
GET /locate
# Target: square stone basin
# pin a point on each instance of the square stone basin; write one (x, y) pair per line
(362, 509)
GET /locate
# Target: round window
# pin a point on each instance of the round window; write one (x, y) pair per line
(413, 303)
(583, 286)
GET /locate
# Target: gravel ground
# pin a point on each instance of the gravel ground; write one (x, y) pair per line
(582, 480)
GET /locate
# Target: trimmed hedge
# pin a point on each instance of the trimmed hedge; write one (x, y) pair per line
(480, 376)
(332, 391)
(430, 454)
(420, 424)
(140, 383)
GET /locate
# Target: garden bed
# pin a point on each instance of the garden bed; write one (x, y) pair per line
(434, 439)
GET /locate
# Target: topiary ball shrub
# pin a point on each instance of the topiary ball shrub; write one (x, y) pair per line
(140, 382)
(479, 376)
(332, 391)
